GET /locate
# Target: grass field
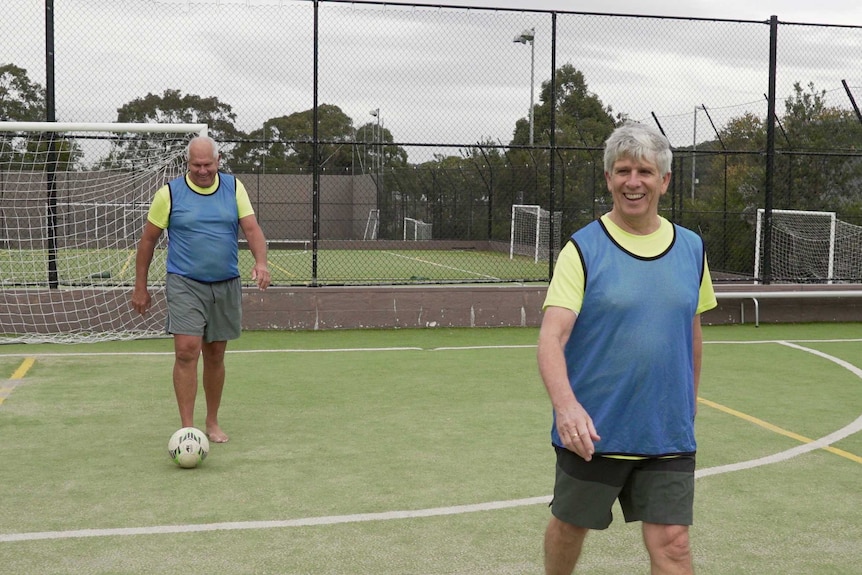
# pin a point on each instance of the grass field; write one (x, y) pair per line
(109, 267)
(408, 452)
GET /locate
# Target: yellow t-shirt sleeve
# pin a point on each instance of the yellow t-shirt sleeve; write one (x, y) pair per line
(243, 203)
(706, 300)
(566, 289)
(160, 209)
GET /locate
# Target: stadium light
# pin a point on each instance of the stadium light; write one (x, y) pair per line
(529, 35)
(376, 113)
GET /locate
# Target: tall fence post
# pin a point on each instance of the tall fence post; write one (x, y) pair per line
(770, 152)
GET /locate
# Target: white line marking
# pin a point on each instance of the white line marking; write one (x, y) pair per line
(825, 441)
(420, 260)
(306, 522)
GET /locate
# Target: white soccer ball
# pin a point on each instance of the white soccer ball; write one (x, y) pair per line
(188, 446)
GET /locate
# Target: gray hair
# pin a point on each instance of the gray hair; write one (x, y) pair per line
(213, 144)
(638, 142)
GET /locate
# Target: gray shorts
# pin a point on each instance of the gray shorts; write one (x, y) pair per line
(656, 490)
(210, 310)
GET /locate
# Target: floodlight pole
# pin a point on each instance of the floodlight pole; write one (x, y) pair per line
(530, 36)
(376, 113)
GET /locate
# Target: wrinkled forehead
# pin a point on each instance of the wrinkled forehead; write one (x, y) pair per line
(638, 157)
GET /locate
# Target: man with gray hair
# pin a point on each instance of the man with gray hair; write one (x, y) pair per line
(619, 354)
(203, 212)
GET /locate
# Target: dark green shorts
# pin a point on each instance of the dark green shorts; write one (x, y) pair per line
(651, 490)
(210, 310)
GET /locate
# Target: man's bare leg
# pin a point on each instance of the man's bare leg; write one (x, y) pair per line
(669, 549)
(187, 349)
(213, 376)
(563, 543)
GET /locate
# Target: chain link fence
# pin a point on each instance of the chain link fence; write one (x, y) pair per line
(388, 143)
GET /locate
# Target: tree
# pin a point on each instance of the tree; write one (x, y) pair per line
(583, 123)
(172, 106)
(827, 174)
(283, 145)
(817, 167)
(21, 99)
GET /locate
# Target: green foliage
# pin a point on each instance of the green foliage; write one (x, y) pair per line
(284, 145)
(21, 100)
(172, 106)
(816, 168)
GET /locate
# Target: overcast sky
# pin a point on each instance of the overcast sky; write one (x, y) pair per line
(821, 12)
(433, 75)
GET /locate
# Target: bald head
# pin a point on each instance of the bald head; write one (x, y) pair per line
(202, 145)
(203, 160)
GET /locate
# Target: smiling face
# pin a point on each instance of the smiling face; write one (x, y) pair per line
(203, 163)
(636, 186)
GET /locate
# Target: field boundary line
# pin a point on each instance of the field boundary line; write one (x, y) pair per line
(304, 522)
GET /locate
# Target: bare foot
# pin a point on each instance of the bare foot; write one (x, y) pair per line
(216, 435)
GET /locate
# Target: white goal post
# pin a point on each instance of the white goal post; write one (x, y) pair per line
(73, 201)
(415, 230)
(372, 225)
(530, 232)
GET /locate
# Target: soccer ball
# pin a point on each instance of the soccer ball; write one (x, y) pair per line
(188, 446)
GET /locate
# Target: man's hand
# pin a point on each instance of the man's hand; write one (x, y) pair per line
(141, 300)
(260, 276)
(577, 431)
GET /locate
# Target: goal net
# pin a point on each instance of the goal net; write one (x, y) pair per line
(531, 232)
(73, 202)
(809, 247)
(416, 230)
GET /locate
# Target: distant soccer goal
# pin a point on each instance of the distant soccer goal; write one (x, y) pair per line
(371, 225)
(74, 201)
(417, 230)
(809, 246)
(530, 232)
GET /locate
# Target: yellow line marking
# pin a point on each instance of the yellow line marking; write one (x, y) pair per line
(23, 368)
(17, 374)
(126, 264)
(778, 430)
(278, 267)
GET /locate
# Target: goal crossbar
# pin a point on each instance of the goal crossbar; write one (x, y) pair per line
(200, 129)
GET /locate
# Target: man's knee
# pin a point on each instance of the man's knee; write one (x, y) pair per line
(668, 543)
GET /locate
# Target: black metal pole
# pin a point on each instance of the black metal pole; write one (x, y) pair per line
(315, 177)
(852, 100)
(770, 152)
(552, 231)
(51, 168)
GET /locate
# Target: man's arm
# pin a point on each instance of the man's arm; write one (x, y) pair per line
(697, 354)
(574, 424)
(143, 258)
(257, 245)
